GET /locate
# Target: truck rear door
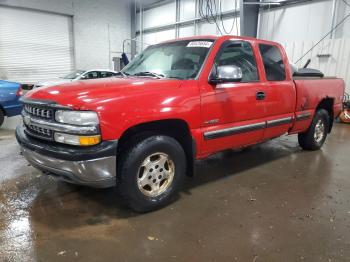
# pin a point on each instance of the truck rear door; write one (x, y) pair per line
(280, 94)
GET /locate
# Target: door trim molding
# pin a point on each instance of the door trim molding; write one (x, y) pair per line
(233, 130)
(278, 122)
(247, 128)
(303, 116)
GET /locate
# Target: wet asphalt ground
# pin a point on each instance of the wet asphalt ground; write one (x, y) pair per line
(272, 202)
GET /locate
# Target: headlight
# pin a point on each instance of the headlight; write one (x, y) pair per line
(77, 140)
(80, 118)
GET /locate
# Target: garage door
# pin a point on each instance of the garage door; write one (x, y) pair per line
(34, 45)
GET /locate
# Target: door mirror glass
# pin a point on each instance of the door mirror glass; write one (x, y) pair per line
(225, 74)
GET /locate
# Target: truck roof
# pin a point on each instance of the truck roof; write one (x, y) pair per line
(224, 37)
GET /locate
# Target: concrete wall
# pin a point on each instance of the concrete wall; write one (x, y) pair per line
(99, 26)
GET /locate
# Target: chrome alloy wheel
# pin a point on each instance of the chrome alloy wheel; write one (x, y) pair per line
(319, 131)
(156, 174)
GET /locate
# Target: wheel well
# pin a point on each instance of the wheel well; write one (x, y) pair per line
(327, 104)
(176, 128)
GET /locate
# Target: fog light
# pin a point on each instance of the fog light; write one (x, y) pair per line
(77, 140)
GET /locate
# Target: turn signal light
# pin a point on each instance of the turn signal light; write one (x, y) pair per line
(77, 140)
(89, 140)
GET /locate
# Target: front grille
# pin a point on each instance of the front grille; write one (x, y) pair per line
(39, 112)
(39, 132)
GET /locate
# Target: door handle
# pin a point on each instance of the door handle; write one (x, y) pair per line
(260, 95)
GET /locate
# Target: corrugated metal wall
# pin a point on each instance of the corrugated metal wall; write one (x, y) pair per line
(165, 14)
(331, 56)
(31, 49)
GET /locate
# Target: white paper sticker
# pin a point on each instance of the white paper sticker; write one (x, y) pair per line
(205, 44)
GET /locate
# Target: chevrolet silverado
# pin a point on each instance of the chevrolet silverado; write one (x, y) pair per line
(176, 102)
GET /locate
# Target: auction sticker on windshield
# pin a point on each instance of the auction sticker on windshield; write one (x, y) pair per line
(205, 44)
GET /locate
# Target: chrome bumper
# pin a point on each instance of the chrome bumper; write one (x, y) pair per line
(100, 172)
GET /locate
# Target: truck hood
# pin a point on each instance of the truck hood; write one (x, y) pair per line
(87, 94)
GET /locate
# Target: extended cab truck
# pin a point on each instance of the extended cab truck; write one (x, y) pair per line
(176, 102)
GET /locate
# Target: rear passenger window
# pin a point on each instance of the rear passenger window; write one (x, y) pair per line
(239, 54)
(273, 62)
(106, 74)
(92, 75)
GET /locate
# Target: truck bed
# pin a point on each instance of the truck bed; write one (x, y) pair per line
(311, 90)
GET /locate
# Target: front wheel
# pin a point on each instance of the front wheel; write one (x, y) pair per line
(151, 172)
(316, 135)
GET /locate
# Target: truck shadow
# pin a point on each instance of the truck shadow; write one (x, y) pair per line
(44, 210)
(63, 206)
(233, 162)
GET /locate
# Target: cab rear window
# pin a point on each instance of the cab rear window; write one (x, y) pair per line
(273, 62)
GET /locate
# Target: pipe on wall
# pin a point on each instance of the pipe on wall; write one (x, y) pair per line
(334, 8)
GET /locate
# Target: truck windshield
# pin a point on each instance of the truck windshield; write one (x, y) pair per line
(180, 59)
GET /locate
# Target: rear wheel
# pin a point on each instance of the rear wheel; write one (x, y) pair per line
(316, 135)
(151, 172)
(2, 117)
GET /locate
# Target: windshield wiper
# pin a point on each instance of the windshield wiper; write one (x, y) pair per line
(147, 73)
(175, 77)
(122, 73)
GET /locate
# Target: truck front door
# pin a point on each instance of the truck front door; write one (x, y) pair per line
(233, 113)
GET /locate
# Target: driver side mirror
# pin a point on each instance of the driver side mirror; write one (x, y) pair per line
(225, 74)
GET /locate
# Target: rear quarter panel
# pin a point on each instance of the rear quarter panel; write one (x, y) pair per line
(310, 92)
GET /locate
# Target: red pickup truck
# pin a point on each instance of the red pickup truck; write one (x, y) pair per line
(176, 102)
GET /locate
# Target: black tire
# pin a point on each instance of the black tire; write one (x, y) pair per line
(129, 172)
(307, 139)
(2, 117)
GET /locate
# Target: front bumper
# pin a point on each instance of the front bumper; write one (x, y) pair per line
(93, 166)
